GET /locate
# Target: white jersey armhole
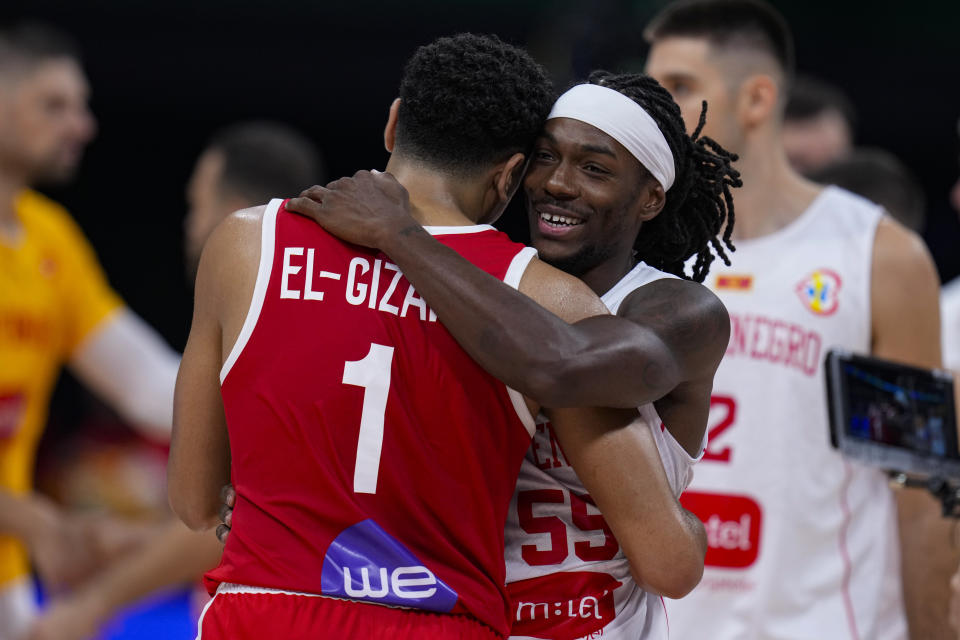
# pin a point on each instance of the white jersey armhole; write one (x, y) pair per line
(867, 328)
(268, 232)
(513, 276)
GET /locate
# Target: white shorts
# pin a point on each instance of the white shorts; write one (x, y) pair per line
(18, 609)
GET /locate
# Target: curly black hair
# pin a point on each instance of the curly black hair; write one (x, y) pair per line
(699, 203)
(468, 101)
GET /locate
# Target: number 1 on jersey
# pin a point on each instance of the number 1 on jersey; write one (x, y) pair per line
(373, 374)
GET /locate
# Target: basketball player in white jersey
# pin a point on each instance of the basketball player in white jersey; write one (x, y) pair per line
(803, 543)
(613, 161)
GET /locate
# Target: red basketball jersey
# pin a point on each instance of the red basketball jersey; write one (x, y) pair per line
(373, 459)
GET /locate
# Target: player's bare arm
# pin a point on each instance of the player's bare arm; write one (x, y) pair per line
(596, 362)
(173, 555)
(58, 558)
(133, 369)
(199, 462)
(617, 460)
(904, 277)
(621, 469)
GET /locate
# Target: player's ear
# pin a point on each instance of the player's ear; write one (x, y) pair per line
(652, 202)
(757, 100)
(510, 176)
(390, 131)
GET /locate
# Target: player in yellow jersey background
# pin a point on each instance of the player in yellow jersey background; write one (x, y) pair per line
(56, 309)
(244, 165)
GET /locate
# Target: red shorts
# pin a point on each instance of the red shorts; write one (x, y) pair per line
(239, 613)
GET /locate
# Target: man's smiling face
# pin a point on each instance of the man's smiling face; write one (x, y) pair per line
(585, 195)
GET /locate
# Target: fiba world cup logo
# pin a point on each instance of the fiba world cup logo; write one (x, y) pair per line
(819, 292)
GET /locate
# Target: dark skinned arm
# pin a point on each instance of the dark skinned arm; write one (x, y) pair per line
(678, 333)
(621, 469)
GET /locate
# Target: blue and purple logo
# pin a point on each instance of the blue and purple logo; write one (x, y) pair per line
(366, 563)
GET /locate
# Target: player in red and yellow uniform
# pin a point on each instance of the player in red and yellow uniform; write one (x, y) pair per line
(53, 295)
(229, 175)
(56, 308)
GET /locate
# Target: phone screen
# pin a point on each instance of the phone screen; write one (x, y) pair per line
(900, 407)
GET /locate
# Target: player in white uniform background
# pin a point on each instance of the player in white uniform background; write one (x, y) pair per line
(950, 301)
(803, 544)
(620, 196)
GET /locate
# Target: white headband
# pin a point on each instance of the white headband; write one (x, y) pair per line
(623, 120)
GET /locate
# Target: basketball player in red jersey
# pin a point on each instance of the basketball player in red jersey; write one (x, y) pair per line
(373, 460)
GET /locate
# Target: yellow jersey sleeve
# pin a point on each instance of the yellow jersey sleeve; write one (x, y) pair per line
(86, 296)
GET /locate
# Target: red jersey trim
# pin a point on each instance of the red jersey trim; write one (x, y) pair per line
(268, 231)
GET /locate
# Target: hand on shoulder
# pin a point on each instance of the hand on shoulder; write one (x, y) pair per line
(367, 209)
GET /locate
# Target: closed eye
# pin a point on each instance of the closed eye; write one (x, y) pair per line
(597, 169)
(542, 154)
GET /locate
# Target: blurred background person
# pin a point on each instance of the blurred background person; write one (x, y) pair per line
(56, 308)
(819, 123)
(244, 165)
(880, 177)
(802, 542)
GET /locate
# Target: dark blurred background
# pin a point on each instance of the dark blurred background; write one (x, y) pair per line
(166, 75)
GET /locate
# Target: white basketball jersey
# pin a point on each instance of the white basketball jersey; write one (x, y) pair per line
(566, 574)
(802, 544)
(950, 323)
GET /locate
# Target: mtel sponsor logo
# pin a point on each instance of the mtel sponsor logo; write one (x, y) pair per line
(543, 606)
(585, 607)
(366, 563)
(732, 524)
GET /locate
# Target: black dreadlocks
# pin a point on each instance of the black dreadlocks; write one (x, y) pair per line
(699, 202)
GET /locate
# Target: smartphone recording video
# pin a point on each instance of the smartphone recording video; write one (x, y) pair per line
(892, 416)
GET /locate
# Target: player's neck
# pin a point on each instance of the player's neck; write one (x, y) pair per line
(435, 199)
(603, 276)
(10, 187)
(772, 196)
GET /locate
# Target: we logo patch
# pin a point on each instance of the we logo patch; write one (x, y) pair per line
(366, 563)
